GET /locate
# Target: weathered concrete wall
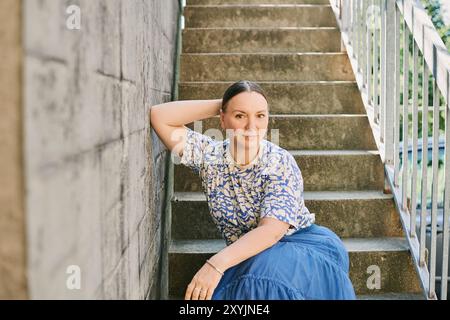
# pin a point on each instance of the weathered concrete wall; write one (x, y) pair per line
(94, 168)
(12, 223)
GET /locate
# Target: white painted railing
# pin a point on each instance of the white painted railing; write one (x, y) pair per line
(375, 34)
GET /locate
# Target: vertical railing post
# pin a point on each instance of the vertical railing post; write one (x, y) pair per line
(376, 52)
(388, 90)
(397, 99)
(356, 34)
(446, 213)
(360, 34)
(370, 27)
(169, 189)
(415, 138)
(346, 17)
(365, 32)
(434, 189)
(424, 195)
(351, 29)
(405, 115)
(383, 69)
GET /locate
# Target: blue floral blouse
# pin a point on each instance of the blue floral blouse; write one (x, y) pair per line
(238, 197)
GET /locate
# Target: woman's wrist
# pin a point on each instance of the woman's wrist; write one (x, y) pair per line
(216, 105)
(219, 261)
(219, 104)
(214, 267)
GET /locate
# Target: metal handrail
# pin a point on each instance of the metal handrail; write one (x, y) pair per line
(371, 31)
(166, 220)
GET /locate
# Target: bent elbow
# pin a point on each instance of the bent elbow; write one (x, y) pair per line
(278, 236)
(152, 115)
(275, 237)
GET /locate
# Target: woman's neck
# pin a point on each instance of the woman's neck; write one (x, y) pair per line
(244, 156)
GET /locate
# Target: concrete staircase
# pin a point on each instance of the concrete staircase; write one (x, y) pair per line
(292, 49)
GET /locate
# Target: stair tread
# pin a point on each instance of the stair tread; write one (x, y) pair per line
(352, 245)
(392, 296)
(220, 2)
(318, 82)
(313, 116)
(253, 5)
(383, 296)
(310, 115)
(333, 152)
(311, 53)
(308, 195)
(262, 28)
(319, 115)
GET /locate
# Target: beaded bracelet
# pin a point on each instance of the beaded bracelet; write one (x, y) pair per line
(207, 261)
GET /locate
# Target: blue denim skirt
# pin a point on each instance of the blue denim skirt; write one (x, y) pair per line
(310, 264)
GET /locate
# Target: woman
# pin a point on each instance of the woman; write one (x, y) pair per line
(254, 190)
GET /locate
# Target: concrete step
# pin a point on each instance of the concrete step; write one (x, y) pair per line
(289, 97)
(386, 296)
(312, 66)
(312, 132)
(392, 296)
(390, 255)
(228, 2)
(351, 214)
(253, 40)
(255, 15)
(331, 170)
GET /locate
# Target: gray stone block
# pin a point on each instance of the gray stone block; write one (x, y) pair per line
(93, 196)
(135, 191)
(64, 224)
(103, 42)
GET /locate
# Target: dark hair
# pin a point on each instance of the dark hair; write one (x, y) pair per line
(238, 87)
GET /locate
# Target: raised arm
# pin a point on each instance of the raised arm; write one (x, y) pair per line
(169, 119)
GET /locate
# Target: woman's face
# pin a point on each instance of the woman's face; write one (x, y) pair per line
(247, 116)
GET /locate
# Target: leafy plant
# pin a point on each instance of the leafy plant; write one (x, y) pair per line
(434, 10)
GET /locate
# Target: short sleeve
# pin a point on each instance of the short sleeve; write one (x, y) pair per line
(282, 197)
(194, 149)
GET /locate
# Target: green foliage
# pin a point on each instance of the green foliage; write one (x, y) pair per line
(434, 11)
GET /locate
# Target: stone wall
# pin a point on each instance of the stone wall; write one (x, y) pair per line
(94, 168)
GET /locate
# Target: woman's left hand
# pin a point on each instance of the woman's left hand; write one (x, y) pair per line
(203, 284)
